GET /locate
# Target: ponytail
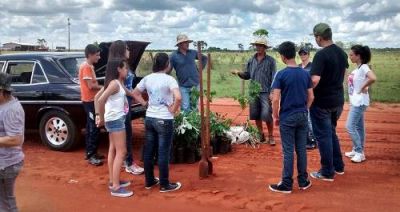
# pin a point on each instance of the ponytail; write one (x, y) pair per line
(363, 51)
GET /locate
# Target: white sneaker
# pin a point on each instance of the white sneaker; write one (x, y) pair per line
(134, 169)
(350, 154)
(358, 158)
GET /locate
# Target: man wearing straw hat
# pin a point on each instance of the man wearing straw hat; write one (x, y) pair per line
(183, 60)
(261, 68)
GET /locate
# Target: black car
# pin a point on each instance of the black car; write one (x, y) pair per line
(46, 84)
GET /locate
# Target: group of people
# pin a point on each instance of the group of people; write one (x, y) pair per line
(316, 96)
(109, 106)
(305, 100)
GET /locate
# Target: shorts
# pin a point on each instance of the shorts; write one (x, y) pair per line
(261, 108)
(116, 125)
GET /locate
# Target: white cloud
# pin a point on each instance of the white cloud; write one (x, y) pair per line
(222, 23)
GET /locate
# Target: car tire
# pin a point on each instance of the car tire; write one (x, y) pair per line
(57, 131)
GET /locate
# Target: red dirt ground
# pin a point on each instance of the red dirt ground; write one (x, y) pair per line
(57, 181)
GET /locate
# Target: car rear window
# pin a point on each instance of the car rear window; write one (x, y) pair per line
(71, 65)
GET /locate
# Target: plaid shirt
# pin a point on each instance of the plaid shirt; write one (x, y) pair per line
(262, 72)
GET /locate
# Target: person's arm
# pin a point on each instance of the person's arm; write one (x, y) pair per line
(90, 79)
(317, 69)
(276, 97)
(137, 92)
(310, 97)
(371, 78)
(137, 95)
(204, 59)
(112, 88)
(243, 74)
(177, 101)
(14, 123)
(11, 141)
(97, 109)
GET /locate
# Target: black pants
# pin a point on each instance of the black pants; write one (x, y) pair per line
(92, 132)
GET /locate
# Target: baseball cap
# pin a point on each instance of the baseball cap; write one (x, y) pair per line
(320, 28)
(304, 50)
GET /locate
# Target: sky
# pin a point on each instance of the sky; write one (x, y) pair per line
(221, 23)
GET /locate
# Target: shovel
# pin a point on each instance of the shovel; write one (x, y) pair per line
(203, 164)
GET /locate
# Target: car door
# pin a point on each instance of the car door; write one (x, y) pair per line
(29, 84)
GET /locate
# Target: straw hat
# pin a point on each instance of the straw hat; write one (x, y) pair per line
(182, 38)
(261, 41)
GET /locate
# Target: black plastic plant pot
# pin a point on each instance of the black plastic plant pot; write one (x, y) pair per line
(215, 143)
(190, 155)
(180, 155)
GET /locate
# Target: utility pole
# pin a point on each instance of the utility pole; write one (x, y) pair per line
(69, 36)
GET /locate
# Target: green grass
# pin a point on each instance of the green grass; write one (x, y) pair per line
(386, 65)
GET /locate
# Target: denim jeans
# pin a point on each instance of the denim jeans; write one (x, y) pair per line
(7, 186)
(129, 142)
(159, 132)
(293, 131)
(92, 132)
(324, 122)
(187, 105)
(355, 127)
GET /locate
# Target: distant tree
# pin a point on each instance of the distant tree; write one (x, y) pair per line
(261, 33)
(351, 43)
(214, 49)
(42, 42)
(307, 45)
(340, 44)
(96, 43)
(203, 44)
(240, 46)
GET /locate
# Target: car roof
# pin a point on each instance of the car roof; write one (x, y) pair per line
(39, 55)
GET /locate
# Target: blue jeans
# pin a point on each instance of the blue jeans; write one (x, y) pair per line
(8, 177)
(355, 127)
(293, 131)
(324, 122)
(129, 136)
(187, 105)
(92, 132)
(159, 133)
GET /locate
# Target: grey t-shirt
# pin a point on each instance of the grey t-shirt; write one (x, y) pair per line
(12, 123)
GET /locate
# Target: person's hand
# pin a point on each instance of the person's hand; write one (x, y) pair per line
(276, 122)
(171, 110)
(365, 90)
(99, 121)
(235, 72)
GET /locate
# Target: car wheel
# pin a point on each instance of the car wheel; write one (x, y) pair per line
(57, 131)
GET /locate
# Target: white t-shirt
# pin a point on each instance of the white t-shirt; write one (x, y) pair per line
(159, 87)
(356, 80)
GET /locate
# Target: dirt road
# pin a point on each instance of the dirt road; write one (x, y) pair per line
(56, 181)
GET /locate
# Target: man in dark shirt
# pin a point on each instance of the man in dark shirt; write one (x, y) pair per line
(306, 64)
(183, 60)
(327, 73)
(261, 68)
(292, 88)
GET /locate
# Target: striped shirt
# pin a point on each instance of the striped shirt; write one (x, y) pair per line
(262, 72)
(12, 123)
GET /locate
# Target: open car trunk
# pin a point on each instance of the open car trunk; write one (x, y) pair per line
(136, 49)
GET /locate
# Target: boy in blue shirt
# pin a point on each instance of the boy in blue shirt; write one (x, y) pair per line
(292, 96)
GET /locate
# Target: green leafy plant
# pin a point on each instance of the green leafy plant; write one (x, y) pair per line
(251, 96)
(219, 124)
(187, 128)
(261, 32)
